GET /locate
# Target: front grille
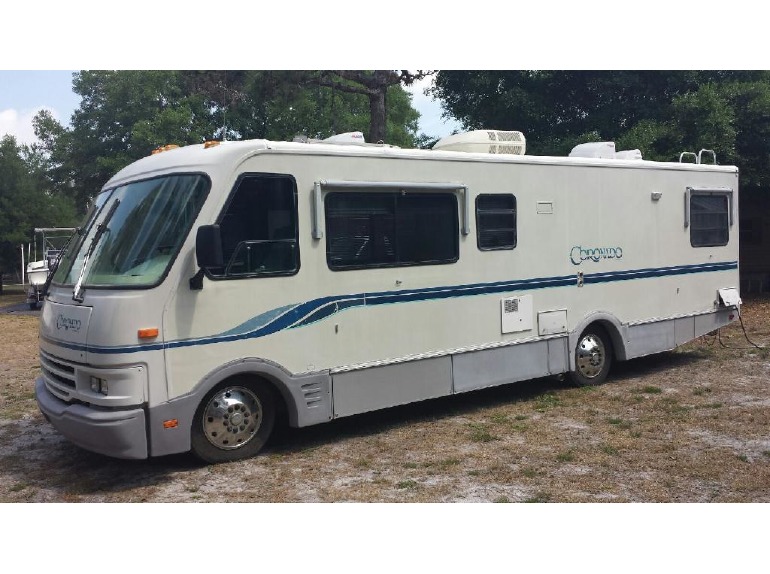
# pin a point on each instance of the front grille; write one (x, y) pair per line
(59, 375)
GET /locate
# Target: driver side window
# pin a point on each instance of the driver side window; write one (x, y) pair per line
(259, 228)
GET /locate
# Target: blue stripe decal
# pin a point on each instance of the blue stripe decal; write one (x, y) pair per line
(309, 312)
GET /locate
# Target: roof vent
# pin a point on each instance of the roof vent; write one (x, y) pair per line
(603, 150)
(484, 141)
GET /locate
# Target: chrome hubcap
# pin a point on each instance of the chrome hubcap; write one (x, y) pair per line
(232, 418)
(590, 356)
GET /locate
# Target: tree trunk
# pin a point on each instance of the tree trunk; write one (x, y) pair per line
(377, 116)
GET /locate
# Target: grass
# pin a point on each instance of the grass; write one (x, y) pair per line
(620, 423)
(480, 433)
(566, 456)
(407, 485)
(546, 401)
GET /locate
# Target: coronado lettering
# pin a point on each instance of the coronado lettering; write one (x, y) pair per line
(67, 323)
(578, 254)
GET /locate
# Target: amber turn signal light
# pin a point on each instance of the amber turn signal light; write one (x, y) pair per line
(150, 333)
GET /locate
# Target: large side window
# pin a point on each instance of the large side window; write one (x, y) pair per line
(709, 219)
(390, 229)
(496, 221)
(259, 228)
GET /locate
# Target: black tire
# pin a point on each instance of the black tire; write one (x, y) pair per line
(233, 421)
(33, 306)
(593, 358)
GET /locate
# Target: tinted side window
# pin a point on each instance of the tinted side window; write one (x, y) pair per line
(259, 228)
(709, 220)
(496, 221)
(390, 229)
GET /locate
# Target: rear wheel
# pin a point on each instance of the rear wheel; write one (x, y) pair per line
(233, 421)
(593, 358)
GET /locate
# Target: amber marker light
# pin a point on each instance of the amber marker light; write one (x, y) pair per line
(170, 424)
(163, 148)
(150, 333)
(210, 143)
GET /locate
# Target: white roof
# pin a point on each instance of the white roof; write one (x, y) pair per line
(230, 153)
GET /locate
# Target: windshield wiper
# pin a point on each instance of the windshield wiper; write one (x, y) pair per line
(77, 292)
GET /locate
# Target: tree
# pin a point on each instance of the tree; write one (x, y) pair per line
(281, 104)
(374, 85)
(24, 202)
(558, 109)
(124, 115)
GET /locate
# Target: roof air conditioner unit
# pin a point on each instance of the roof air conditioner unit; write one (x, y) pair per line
(484, 141)
(599, 150)
(355, 138)
(628, 154)
(603, 150)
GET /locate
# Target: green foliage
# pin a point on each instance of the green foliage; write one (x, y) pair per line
(662, 113)
(24, 201)
(480, 433)
(566, 456)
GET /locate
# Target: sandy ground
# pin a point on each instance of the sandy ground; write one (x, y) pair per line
(685, 426)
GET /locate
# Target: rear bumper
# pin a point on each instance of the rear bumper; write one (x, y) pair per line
(117, 433)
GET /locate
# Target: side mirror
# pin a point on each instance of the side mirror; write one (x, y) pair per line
(208, 247)
(208, 253)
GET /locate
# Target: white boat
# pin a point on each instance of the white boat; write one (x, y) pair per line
(37, 272)
(53, 239)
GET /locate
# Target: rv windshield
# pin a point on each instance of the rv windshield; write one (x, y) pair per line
(133, 232)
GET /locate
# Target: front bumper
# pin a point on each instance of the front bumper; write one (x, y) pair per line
(117, 433)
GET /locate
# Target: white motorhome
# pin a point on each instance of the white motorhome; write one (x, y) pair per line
(214, 284)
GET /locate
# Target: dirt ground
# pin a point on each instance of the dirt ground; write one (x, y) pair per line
(690, 425)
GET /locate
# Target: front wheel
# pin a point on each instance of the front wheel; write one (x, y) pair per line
(233, 421)
(593, 358)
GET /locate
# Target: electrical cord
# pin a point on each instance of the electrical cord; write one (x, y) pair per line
(745, 334)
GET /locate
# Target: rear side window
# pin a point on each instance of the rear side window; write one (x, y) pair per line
(709, 219)
(496, 221)
(390, 229)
